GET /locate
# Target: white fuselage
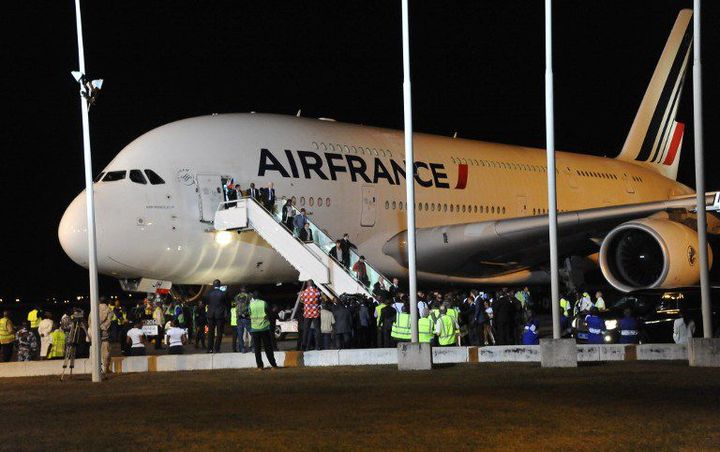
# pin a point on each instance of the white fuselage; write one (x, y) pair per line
(155, 231)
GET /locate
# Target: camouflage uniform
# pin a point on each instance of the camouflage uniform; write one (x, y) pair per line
(27, 344)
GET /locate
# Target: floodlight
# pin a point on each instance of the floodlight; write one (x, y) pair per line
(77, 75)
(97, 84)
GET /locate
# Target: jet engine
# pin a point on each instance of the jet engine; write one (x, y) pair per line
(651, 254)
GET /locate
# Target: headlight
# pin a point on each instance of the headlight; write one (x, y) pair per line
(610, 324)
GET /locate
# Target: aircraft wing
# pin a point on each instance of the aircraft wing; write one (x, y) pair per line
(502, 246)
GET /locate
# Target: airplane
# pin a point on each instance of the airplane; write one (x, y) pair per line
(481, 207)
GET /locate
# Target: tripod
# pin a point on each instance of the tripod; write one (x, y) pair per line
(71, 345)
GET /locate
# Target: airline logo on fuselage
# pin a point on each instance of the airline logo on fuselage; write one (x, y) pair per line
(328, 165)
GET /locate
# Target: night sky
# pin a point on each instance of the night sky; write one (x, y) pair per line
(478, 69)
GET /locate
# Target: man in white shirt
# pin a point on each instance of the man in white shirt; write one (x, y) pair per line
(175, 338)
(136, 338)
(683, 329)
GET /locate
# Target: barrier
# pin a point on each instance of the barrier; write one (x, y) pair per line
(321, 358)
(367, 357)
(449, 355)
(353, 357)
(509, 353)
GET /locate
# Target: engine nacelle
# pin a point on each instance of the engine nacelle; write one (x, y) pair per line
(651, 254)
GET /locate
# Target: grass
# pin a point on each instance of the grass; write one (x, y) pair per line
(636, 405)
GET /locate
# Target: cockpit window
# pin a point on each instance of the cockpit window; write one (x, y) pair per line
(99, 177)
(153, 177)
(137, 176)
(114, 175)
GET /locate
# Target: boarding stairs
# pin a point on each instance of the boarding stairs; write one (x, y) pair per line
(311, 259)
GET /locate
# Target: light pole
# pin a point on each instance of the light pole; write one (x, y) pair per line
(700, 176)
(409, 175)
(552, 189)
(88, 91)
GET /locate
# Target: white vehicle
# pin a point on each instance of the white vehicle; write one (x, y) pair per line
(481, 207)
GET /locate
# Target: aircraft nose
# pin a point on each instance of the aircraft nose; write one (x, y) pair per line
(72, 231)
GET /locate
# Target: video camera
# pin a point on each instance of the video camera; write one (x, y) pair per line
(78, 314)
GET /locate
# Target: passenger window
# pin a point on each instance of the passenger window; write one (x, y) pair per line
(426, 206)
(463, 208)
(452, 208)
(432, 207)
(112, 176)
(316, 145)
(387, 205)
(137, 176)
(302, 200)
(327, 202)
(394, 205)
(320, 202)
(99, 177)
(153, 177)
(400, 205)
(311, 201)
(444, 207)
(420, 206)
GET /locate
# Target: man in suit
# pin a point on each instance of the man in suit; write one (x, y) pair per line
(346, 244)
(216, 301)
(306, 234)
(253, 192)
(268, 196)
(336, 251)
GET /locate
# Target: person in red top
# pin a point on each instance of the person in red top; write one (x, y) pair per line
(310, 297)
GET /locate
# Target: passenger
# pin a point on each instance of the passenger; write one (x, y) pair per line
(360, 270)
(488, 335)
(530, 332)
(394, 288)
(299, 221)
(44, 330)
(253, 192)
(422, 305)
(260, 331)
(306, 234)
(336, 251)
(175, 338)
(288, 214)
(268, 197)
(327, 320)
(7, 336)
(136, 339)
(595, 327)
(379, 287)
(216, 301)
(346, 245)
(310, 297)
(27, 343)
(683, 328)
(343, 325)
(628, 327)
(232, 195)
(599, 301)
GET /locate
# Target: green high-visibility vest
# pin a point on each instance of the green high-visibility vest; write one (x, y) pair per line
(564, 305)
(33, 318)
(447, 331)
(258, 318)
(425, 329)
(233, 316)
(401, 327)
(452, 312)
(58, 344)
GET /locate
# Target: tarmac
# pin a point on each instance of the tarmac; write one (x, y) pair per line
(610, 406)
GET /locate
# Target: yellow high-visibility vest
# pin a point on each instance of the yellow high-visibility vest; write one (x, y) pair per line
(425, 329)
(448, 332)
(401, 327)
(7, 333)
(33, 318)
(57, 350)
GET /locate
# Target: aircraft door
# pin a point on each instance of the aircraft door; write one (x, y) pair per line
(572, 181)
(629, 187)
(369, 207)
(210, 195)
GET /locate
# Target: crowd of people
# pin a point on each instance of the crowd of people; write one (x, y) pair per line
(505, 317)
